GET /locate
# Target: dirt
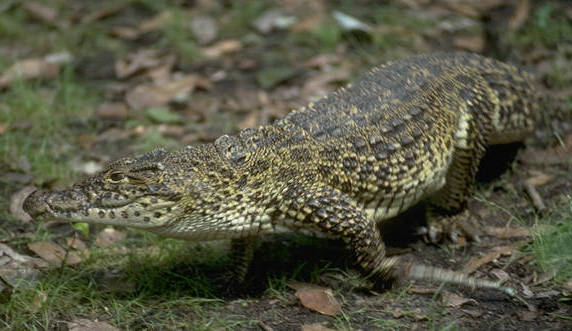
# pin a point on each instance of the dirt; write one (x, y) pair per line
(230, 97)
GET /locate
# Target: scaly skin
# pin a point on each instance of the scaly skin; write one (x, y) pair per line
(407, 131)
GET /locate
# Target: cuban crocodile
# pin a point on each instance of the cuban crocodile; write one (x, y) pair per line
(409, 130)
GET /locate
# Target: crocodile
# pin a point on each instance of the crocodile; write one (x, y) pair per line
(407, 131)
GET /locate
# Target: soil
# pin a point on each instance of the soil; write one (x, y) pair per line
(232, 94)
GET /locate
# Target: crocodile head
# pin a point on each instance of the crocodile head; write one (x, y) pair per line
(136, 192)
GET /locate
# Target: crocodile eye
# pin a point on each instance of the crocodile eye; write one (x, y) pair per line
(116, 177)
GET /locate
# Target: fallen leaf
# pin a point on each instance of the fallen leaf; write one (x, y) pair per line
(474, 43)
(15, 268)
(527, 315)
(204, 29)
(539, 178)
(113, 134)
(568, 285)
(105, 12)
(349, 23)
(3, 128)
(221, 48)
(137, 62)
(35, 68)
(108, 237)
(17, 202)
(273, 19)
(421, 290)
(154, 23)
(520, 15)
(397, 313)
(475, 262)
(250, 121)
(147, 95)
(116, 111)
(322, 84)
(86, 141)
(316, 298)
(53, 253)
(501, 275)
(76, 243)
(83, 324)
(507, 232)
(315, 327)
(40, 11)
(455, 301)
(40, 298)
(173, 131)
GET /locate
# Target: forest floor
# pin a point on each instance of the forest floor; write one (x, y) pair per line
(85, 82)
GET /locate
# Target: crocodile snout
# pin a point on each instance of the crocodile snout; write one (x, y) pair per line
(41, 203)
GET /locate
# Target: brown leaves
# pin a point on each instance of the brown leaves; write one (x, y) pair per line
(35, 68)
(53, 253)
(82, 324)
(495, 253)
(316, 298)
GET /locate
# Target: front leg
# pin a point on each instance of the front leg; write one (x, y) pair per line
(332, 212)
(327, 210)
(241, 252)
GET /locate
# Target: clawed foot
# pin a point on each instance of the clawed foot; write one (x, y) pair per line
(440, 229)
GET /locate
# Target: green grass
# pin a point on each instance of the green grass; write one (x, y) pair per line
(147, 290)
(551, 247)
(38, 116)
(549, 26)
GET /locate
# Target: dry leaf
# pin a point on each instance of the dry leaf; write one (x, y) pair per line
(221, 48)
(76, 243)
(539, 178)
(108, 237)
(317, 298)
(474, 44)
(3, 128)
(112, 111)
(83, 324)
(501, 275)
(315, 327)
(34, 68)
(455, 301)
(40, 11)
(154, 23)
(17, 201)
(421, 290)
(506, 232)
(527, 315)
(137, 62)
(250, 121)
(53, 253)
(273, 19)
(521, 14)
(147, 95)
(204, 29)
(475, 262)
(38, 301)
(397, 313)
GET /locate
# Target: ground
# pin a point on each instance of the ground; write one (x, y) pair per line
(83, 82)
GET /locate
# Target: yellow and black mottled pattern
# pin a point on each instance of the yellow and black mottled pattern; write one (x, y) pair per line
(409, 130)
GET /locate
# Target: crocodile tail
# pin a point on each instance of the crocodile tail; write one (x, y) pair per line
(412, 271)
